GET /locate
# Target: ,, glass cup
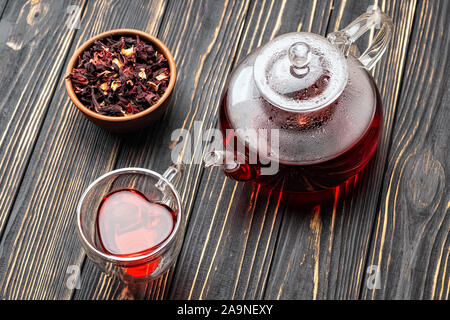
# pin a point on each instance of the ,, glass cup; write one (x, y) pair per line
(156, 188)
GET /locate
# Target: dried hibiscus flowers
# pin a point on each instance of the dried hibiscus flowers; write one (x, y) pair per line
(119, 76)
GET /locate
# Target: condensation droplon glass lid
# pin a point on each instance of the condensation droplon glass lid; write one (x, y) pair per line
(300, 72)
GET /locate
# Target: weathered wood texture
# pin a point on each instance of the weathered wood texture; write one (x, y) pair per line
(304, 258)
(203, 41)
(2, 6)
(322, 248)
(34, 42)
(242, 241)
(411, 242)
(39, 241)
(230, 241)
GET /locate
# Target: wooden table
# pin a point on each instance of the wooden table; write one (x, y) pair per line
(241, 241)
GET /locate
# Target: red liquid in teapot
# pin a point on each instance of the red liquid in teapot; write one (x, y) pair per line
(317, 150)
(129, 225)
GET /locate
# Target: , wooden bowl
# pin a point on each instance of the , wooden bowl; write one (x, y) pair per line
(136, 121)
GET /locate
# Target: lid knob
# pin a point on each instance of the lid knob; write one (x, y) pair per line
(289, 70)
(300, 56)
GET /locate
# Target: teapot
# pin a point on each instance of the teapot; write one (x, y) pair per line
(303, 113)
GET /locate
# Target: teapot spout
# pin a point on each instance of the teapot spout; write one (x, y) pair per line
(222, 159)
(232, 168)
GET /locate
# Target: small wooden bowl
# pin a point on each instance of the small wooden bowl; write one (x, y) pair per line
(136, 121)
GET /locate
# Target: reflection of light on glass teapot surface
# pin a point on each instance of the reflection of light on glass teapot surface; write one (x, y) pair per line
(317, 99)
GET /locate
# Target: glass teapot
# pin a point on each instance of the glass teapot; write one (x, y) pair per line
(302, 112)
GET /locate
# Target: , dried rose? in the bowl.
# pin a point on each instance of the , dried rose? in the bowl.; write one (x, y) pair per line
(119, 76)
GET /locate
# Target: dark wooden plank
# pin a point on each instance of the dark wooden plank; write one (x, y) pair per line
(204, 41)
(411, 244)
(2, 8)
(40, 240)
(34, 42)
(322, 248)
(230, 243)
(233, 229)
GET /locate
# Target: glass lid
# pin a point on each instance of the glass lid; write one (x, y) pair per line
(300, 72)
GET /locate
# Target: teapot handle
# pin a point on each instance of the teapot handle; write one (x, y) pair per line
(344, 38)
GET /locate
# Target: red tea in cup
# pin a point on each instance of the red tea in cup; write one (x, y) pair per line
(130, 225)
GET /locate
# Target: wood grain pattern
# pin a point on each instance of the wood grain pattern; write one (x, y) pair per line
(34, 42)
(322, 248)
(3, 4)
(249, 264)
(40, 239)
(203, 41)
(411, 237)
(230, 241)
(242, 241)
